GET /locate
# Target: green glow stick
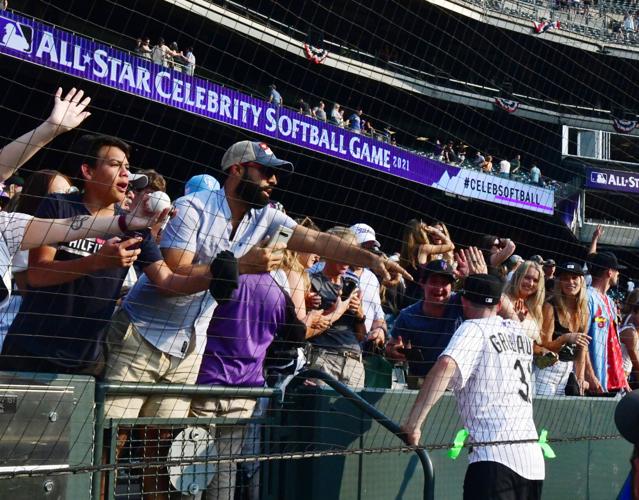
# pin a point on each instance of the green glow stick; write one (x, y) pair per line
(545, 447)
(458, 444)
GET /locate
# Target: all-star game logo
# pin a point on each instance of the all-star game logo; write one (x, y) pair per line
(15, 35)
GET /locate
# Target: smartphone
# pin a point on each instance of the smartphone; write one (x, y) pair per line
(348, 287)
(412, 354)
(282, 235)
(134, 234)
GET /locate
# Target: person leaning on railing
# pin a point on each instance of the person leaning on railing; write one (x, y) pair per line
(23, 232)
(161, 336)
(244, 325)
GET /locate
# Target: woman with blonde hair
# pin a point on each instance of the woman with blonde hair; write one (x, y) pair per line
(293, 277)
(565, 319)
(418, 249)
(524, 298)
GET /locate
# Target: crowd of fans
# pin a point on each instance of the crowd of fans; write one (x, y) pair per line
(169, 56)
(231, 289)
(509, 168)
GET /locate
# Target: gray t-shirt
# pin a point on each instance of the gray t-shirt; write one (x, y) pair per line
(341, 335)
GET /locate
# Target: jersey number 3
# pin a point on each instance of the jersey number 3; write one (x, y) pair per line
(524, 392)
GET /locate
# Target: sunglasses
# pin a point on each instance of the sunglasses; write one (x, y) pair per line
(268, 172)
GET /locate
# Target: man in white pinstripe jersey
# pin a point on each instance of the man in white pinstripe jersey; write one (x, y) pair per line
(488, 364)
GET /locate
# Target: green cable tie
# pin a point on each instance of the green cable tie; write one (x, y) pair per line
(458, 444)
(545, 447)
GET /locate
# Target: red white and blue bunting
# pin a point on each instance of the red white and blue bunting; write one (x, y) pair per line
(318, 56)
(507, 105)
(624, 126)
(545, 25)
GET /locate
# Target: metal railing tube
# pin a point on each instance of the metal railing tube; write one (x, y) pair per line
(186, 390)
(383, 420)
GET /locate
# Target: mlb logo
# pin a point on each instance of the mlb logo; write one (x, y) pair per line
(265, 148)
(598, 178)
(15, 35)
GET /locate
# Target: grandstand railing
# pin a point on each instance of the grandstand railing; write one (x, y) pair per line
(102, 424)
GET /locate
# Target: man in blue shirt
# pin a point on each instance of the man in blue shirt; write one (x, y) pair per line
(275, 97)
(356, 121)
(422, 331)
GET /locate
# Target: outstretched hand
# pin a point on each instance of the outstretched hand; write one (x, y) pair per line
(140, 219)
(470, 261)
(68, 111)
(384, 268)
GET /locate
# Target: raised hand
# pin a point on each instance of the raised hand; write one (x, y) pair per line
(138, 220)
(598, 233)
(476, 261)
(68, 111)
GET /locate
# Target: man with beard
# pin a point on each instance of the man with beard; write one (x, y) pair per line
(157, 338)
(604, 366)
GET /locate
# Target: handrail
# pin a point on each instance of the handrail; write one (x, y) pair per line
(102, 389)
(383, 420)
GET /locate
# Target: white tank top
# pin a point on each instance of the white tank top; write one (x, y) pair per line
(627, 363)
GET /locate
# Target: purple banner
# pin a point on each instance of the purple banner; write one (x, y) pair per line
(612, 180)
(62, 51)
(569, 210)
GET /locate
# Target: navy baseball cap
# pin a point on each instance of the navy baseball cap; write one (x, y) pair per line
(569, 268)
(438, 266)
(483, 289)
(605, 260)
(257, 152)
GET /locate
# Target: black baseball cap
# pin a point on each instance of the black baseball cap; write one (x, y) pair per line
(605, 260)
(483, 289)
(569, 268)
(438, 266)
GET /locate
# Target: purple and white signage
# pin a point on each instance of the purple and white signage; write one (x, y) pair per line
(62, 51)
(612, 180)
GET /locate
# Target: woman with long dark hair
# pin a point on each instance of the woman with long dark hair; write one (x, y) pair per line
(37, 186)
(418, 249)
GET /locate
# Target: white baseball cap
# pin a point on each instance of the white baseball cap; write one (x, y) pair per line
(138, 181)
(364, 233)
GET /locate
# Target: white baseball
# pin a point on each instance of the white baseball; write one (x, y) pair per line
(157, 201)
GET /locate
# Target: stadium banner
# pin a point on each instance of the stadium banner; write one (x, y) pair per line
(612, 180)
(43, 45)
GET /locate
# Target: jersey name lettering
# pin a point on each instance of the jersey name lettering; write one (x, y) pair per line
(502, 343)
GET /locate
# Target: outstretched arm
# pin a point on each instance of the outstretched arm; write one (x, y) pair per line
(433, 388)
(598, 232)
(327, 245)
(43, 232)
(68, 112)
